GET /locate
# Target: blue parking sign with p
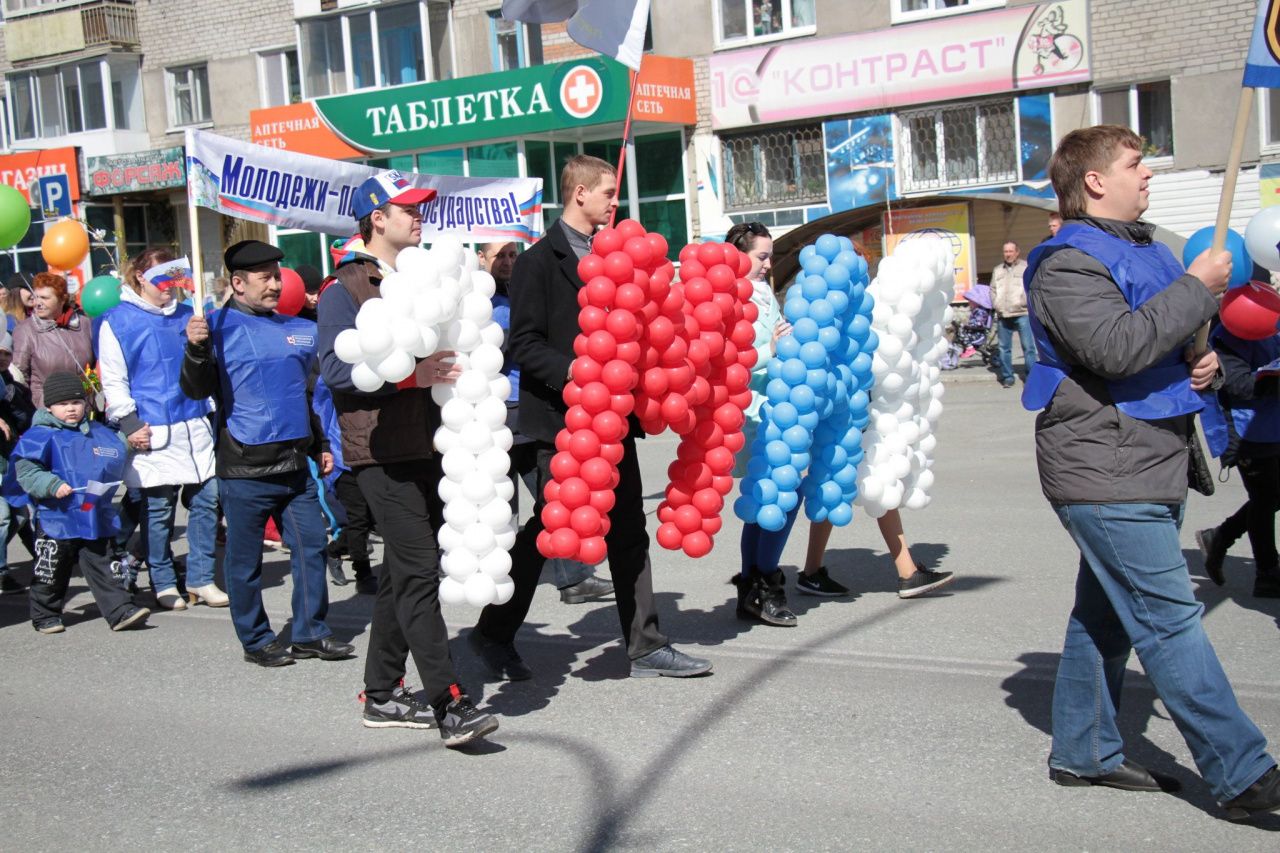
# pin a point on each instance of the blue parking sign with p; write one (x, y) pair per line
(55, 196)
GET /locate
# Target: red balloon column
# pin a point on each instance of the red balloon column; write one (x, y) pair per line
(674, 354)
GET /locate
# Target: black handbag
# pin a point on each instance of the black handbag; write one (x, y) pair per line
(1198, 475)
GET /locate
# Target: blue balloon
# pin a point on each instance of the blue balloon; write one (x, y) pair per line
(861, 364)
(815, 512)
(771, 518)
(788, 347)
(838, 301)
(830, 338)
(859, 400)
(803, 398)
(837, 277)
(813, 355)
(1241, 263)
(821, 310)
(793, 371)
(777, 453)
(859, 327)
(851, 351)
(773, 370)
(765, 492)
(847, 259)
(796, 307)
(813, 287)
(816, 265)
(797, 438)
(860, 423)
(756, 468)
(785, 416)
(816, 378)
(860, 271)
(777, 389)
(807, 254)
(845, 477)
(831, 494)
(866, 383)
(872, 343)
(786, 477)
(866, 304)
(805, 330)
(857, 290)
(771, 432)
(841, 514)
(808, 421)
(788, 501)
(828, 246)
(746, 508)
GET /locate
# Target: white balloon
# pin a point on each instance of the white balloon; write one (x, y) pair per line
(910, 304)
(505, 490)
(505, 539)
(871, 489)
(924, 480)
(414, 261)
(426, 308)
(457, 463)
(450, 296)
(916, 499)
(477, 308)
(500, 387)
(376, 341)
(928, 444)
(430, 339)
(495, 515)
(365, 377)
(496, 564)
(478, 488)
(491, 412)
(478, 538)
(1261, 236)
(473, 386)
(448, 491)
(460, 564)
(406, 333)
(396, 366)
(503, 592)
(447, 537)
(452, 592)
(890, 348)
(491, 333)
(892, 383)
(482, 282)
(480, 590)
(398, 291)
(476, 439)
(494, 462)
(465, 334)
(488, 359)
(900, 326)
(886, 423)
(442, 394)
(503, 438)
(448, 248)
(457, 412)
(461, 513)
(347, 346)
(471, 263)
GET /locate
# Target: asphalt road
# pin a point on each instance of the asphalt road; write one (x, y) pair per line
(875, 724)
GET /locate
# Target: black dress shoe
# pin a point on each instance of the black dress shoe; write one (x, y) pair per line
(1127, 777)
(1259, 798)
(501, 659)
(590, 589)
(325, 649)
(272, 654)
(1213, 549)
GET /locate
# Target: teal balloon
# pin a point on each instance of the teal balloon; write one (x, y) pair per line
(15, 216)
(100, 295)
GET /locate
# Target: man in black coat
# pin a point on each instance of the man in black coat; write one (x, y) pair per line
(544, 312)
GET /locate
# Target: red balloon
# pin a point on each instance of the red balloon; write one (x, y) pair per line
(631, 297)
(735, 441)
(707, 315)
(629, 229)
(675, 353)
(293, 293)
(639, 250)
(743, 262)
(744, 290)
(622, 324)
(711, 526)
(697, 290)
(699, 392)
(688, 519)
(661, 332)
(555, 515)
(679, 495)
(600, 291)
(619, 267)
(698, 475)
(574, 492)
(596, 473)
(673, 305)
(649, 411)
(722, 278)
(743, 334)
(736, 377)
(666, 513)
(1250, 312)
(708, 434)
(601, 346)
(688, 254)
(667, 271)
(657, 246)
(710, 254)
(572, 394)
(618, 376)
(577, 418)
(680, 378)
(688, 452)
(628, 352)
(655, 382)
(720, 459)
(622, 404)
(591, 319)
(697, 544)
(741, 400)
(685, 425)
(750, 312)
(584, 370)
(707, 502)
(606, 242)
(729, 417)
(584, 444)
(674, 407)
(610, 426)
(669, 536)
(723, 484)
(551, 491)
(590, 266)
(564, 543)
(585, 521)
(612, 452)
(602, 500)
(719, 396)
(698, 353)
(564, 465)
(544, 543)
(593, 549)
(594, 397)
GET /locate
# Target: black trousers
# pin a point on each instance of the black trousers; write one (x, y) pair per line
(55, 558)
(1257, 517)
(628, 548)
(406, 613)
(355, 533)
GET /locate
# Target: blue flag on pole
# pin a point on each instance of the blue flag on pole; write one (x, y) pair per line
(1262, 67)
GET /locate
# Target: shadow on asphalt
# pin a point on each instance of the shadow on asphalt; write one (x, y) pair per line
(1238, 588)
(1030, 693)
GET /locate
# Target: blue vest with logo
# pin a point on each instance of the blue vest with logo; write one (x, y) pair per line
(152, 345)
(1256, 420)
(1140, 271)
(78, 459)
(511, 370)
(263, 366)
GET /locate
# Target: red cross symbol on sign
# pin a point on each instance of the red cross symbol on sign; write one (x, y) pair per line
(581, 92)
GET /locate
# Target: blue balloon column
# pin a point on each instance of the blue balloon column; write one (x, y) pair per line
(810, 438)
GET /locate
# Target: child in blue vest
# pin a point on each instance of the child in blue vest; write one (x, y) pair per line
(67, 468)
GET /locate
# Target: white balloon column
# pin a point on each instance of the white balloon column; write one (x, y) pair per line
(439, 300)
(912, 292)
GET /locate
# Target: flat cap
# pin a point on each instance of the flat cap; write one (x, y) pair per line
(248, 254)
(312, 278)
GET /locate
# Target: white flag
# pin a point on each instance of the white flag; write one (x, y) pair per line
(614, 28)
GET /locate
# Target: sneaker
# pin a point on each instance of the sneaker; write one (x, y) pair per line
(590, 589)
(461, 722)
(501, 659)
(9, 586)
(336, 575)
(134, 618)
(401, 711)
(49, 626)
(820, 583)
(1214, 553)
(922, 582)
(670, 662)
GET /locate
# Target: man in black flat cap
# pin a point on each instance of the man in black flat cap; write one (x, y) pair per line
(259, 364)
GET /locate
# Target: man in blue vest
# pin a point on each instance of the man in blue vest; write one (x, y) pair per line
(257, 364)
(1113, 313)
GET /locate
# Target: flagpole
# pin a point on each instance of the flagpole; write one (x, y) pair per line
(626, 138)
(1228, 191)
(193, 222)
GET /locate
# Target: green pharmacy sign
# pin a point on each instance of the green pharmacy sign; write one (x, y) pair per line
(489, 106)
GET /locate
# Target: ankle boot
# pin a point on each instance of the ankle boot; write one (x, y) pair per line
(749, 602)
(773, 595)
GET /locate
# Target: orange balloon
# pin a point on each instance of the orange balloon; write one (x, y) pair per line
(65, 244)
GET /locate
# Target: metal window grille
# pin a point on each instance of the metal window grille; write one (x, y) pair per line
(961, 146)
(781, 167)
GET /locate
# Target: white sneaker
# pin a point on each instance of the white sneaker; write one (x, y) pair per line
(209, 595)
(168, 599)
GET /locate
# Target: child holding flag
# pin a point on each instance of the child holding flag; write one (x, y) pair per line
(67, 468)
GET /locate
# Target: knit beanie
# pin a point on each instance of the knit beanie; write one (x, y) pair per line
(62, 387)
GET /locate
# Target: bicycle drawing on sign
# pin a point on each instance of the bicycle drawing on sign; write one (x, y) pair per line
(1057, 51)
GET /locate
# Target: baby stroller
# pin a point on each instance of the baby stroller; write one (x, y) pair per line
(972, 332)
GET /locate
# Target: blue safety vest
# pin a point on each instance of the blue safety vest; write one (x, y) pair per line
(1140, 271)
(322, 405)
(153, 345)
(80, 460)
(263, 366)
(1256, 420)
(511, 370)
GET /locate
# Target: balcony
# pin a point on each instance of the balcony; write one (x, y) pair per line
(46, 30)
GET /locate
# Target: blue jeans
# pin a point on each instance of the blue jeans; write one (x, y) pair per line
(1133, 592)
(247, 504)
(160, 503)
(1004, 335)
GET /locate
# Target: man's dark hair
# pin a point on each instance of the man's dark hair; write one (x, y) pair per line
(366, 223)
(1089, 149)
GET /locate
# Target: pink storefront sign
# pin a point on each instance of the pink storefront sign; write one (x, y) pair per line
(960, 56)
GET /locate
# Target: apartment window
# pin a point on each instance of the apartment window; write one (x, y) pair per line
(126, 93)
(779, 167)
(1269, 117)
(60, 100)
(745, 21)
(901, 11)
(1147, 108)
(189, 96)
(512, 44)
(959, 146)
(385, 46)
(281, 80)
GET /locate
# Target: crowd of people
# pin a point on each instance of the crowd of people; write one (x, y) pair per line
(248, 418)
